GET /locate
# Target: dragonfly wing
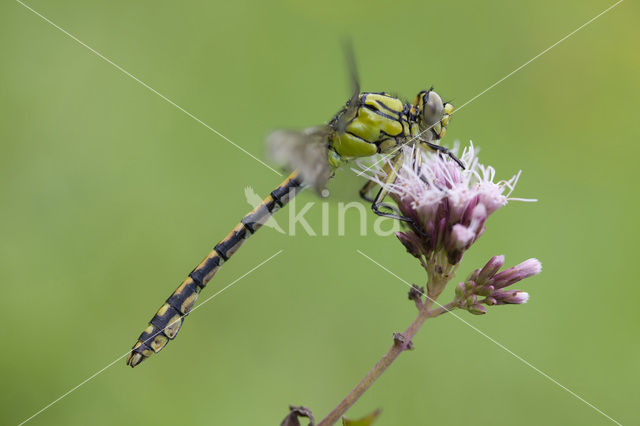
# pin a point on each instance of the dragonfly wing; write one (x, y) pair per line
(351, 108)
(305, 151)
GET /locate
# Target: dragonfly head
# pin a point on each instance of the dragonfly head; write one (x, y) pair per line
(432, 113)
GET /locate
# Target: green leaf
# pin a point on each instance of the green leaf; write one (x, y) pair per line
(365, 421)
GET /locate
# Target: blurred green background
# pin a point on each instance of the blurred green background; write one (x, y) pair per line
(109, 196)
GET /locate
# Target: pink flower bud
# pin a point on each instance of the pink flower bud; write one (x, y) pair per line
(485, 290)
(515, 297)
(526, 269)
(472, 300)
(477, 309)
(410, 242)
(474, 275)
(490, 269)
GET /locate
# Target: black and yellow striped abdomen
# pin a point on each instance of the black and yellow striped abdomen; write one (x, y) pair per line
(166, 323)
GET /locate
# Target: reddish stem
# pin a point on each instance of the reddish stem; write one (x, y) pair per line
(396, 349)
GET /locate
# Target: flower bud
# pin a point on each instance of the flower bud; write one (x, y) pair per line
(528, 268)
(409, 242)
(490, 301)
(474, 275)
(477, 309)
(460, 290)
(485, 290)
(514, 297)
(472, 300)
(490, 269)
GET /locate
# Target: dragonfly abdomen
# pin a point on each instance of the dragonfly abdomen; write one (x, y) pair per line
(166, 323)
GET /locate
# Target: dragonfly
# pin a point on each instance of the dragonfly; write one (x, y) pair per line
(369, 124)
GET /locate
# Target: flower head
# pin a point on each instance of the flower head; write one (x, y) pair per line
(448, 205)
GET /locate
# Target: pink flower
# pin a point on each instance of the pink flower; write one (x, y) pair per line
(449, 206)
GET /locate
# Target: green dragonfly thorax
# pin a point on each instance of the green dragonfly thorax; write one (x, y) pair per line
(379, 122)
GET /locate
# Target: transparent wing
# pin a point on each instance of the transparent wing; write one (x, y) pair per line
(305, 151)
(354, 101)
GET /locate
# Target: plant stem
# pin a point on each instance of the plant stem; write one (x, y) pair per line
(396, 349)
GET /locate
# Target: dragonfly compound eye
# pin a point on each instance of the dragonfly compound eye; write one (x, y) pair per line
(432, 108)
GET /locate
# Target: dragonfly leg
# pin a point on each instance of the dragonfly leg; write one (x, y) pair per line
(445, 150)
(388, 169)
(392, 213)
(379, 204)
(364, 191)
(395, 213)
